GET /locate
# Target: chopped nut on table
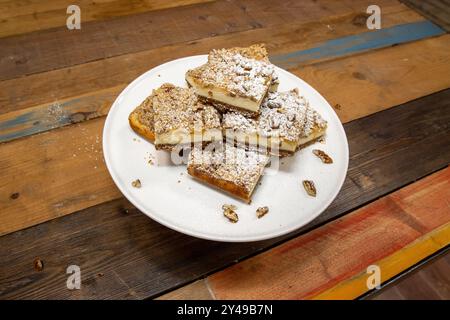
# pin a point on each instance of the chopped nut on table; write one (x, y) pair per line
(309, 187)
(262, 211)
(38, 264)
(136, 183)
(323, 156)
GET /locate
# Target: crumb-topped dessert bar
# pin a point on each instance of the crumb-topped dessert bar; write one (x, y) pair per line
(228, 168)
(236, 78)
(286, 122)
(181, 118)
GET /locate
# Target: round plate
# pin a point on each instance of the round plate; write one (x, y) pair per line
(173, 198)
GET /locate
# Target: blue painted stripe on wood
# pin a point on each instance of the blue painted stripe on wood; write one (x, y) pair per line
(361, 42)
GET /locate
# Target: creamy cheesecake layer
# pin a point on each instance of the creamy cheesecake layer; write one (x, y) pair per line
(182, 136)
(222, 96)
(286, 120)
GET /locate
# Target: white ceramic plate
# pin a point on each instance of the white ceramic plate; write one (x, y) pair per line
(174, 199)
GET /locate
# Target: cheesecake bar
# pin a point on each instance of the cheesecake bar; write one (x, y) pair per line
(228, 168)
(181, 118)
(142, 119)
(285, 124)
(234, 78)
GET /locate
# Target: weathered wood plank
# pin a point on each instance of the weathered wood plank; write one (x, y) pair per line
(77, 80)
(114, 238)
(39, 204)
(430, 281)
(334, 253)
(58, 48)
(437, 11)
(18, 17)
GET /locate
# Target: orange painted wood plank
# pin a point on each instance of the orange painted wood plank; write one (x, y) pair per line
(331, 261)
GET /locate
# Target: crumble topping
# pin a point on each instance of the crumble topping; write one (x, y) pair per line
(310, 187)
(238, 75)
(282, 114)
(226, 162)
(179, 108)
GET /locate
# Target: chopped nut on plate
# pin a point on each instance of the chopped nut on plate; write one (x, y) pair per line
(228, 211)
(136, 183)
(261, 212)
(309, 187)
(231, 215)
(323, 156)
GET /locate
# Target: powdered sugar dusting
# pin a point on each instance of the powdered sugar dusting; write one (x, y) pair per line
(283, 114)
(237, 74)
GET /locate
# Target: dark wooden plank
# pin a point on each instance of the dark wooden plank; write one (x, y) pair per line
(430, 281)
(58, 48)
(139, 258)
(437, 11)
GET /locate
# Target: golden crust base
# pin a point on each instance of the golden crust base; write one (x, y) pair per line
(231, 188)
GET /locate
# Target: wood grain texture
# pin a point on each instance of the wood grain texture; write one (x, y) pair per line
(338, 253)
(46, 87)
(437, 11)
(58, 48)
(114, 238)
(18, 17)
(40, 205)
(197, 290)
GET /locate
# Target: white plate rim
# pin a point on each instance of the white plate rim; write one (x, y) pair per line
(205, 236)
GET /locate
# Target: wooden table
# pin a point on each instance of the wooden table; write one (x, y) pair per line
(390, 88)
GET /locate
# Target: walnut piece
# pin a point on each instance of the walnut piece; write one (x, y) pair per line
(262, 211)
(231, 215)
(136, 183)
(323, 156)
(309, 187)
